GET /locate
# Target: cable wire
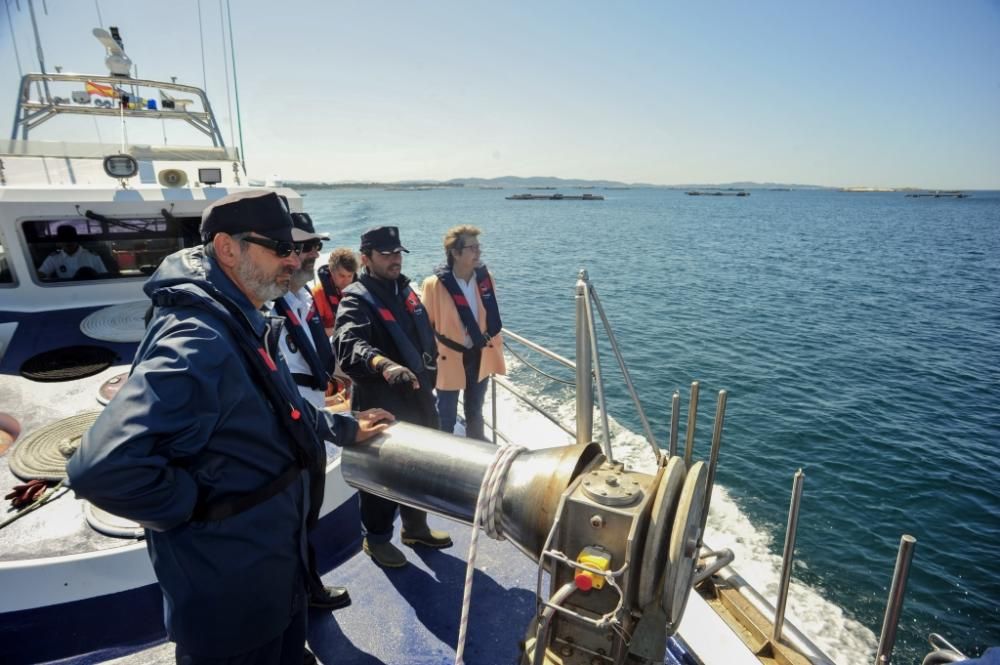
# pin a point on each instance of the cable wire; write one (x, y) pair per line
(236, 87)
(225, 68)
(17, 56)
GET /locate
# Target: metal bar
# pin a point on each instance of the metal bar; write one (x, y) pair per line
(508, 333)
(675, 417)
(894, 606)
(713, 458)
(787, 554)
(116, 80)
(599, 382)
(584, 378)
(542, 633)
(536, 369)
(38, 49)
(628, 379)
(493, 405)
(692, 420)
(527, 400)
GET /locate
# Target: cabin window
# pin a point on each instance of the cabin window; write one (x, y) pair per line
(97, 247)
(6, 277)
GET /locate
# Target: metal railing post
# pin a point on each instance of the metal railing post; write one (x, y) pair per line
(584, 380)
(787, 555)
(692, 421)
(493, 404)
(675, 416)
(894, 606)
(713, 457)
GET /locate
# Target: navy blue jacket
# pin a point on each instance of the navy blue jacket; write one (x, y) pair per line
(191, 424)
(361, 334)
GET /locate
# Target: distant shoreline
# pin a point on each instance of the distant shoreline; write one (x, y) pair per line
(558, 183)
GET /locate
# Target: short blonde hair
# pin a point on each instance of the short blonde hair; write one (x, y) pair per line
(343, 257)
(453, 238)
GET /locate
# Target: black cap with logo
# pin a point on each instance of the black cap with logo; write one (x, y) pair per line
(382, 239)
(260, 211)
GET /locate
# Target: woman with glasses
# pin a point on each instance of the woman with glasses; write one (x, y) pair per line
(461, 303)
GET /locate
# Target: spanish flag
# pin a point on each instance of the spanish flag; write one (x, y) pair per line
(100, 90)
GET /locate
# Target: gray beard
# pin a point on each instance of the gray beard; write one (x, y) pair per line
(258, 283)
(301, 277)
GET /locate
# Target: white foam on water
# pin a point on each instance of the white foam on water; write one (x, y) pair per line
(843, 639)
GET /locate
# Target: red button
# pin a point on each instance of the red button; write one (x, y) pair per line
(584, 581)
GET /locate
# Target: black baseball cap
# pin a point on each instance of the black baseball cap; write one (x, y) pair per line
(382, 239)
(303, 224)
(261, 211)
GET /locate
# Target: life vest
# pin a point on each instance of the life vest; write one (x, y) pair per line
(493, 323)
(417, 360)
(317, 351)
(330, 290)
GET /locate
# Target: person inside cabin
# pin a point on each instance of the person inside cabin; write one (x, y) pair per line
(334, 277)
(385, 343)
(211, 448)
(70, 260)
(461, 303)
(306, 349)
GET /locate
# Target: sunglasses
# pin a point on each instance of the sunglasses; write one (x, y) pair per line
(312, 246)
(281, 248)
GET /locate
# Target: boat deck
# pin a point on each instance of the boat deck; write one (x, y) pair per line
(411, 615)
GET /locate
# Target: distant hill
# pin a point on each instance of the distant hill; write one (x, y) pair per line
(519, 182)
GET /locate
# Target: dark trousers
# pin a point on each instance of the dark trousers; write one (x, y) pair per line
(285, 649)
(475, 394)
(378, 515)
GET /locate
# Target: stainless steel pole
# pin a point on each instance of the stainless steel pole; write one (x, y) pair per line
(628, 379)
(894, 606)
(493, 404)
(675, 417)
(584, 381)
(787, 555)
(713, 458)
(692, 420)
(599, 381)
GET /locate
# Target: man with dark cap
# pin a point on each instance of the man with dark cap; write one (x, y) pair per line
(210, 446)
(306, 348)
(385, 343)
(70, 259)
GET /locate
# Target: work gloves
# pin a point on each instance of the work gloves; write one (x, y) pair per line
(393, 373)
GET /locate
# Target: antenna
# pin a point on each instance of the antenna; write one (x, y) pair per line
(118, 63)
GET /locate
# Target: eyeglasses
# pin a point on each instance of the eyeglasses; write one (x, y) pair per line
(386, 252)
(312, 246)
(281, 248)
(474, 248)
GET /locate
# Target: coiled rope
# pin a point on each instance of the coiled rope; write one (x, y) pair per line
(487, 514)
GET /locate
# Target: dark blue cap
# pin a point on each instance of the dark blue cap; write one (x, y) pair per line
(382, 239)
(261, 211)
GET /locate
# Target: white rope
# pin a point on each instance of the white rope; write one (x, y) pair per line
(490, 494)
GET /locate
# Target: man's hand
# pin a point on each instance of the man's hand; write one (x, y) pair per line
(371, 422)
(395, 374)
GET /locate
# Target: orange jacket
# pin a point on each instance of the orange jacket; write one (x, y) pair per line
(444, 318)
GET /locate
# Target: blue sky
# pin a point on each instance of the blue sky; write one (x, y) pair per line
(839, 94)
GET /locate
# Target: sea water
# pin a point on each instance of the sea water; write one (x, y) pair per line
(857, 335)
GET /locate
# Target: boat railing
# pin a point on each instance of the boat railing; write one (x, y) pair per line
(587, 369)
(142, 152)
(123, 98)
